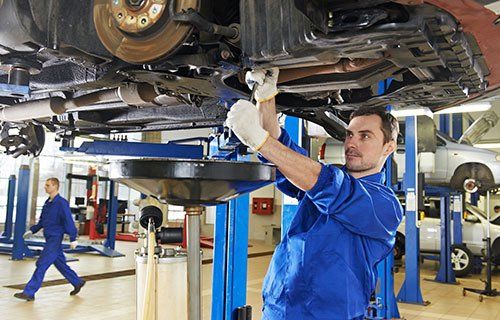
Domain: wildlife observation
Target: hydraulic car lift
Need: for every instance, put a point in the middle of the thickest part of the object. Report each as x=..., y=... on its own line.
x=451, y=209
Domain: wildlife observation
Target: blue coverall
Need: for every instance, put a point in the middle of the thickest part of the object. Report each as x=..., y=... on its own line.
x=325, y=267
x=56, y=220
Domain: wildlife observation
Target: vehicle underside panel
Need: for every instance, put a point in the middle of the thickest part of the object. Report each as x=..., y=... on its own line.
x=80, y=67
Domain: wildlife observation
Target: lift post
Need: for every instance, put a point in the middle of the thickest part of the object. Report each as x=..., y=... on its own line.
x=229, y=273
x=445, y=273
x=20, y=249
x=11, y=194
x=410, y=291
x=457, y=215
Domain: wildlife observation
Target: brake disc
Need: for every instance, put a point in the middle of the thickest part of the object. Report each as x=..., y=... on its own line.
x=141, y=31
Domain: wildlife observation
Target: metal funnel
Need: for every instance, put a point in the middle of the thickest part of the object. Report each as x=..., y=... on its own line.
x=192, y=182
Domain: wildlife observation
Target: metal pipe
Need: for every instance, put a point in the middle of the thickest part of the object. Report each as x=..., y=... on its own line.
x=134, y=94
x=194, y=262
x=343, y=66
x=33, y=110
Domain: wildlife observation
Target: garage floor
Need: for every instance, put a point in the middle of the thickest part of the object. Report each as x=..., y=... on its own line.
x=115, y=298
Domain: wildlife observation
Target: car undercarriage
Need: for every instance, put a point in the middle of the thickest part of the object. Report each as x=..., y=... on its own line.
x=113, y=66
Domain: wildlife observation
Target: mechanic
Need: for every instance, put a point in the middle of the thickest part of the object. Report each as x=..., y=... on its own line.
x=56, y=220
x=346, y=221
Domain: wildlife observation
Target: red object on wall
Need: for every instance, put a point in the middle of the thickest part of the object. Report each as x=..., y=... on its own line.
x=262, y=206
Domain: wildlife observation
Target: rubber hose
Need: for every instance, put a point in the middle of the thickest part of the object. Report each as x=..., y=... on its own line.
x=148, y=307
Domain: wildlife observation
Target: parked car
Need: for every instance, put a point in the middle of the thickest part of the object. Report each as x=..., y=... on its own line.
x=454, y=162
x=474, y=228
x=110, y=66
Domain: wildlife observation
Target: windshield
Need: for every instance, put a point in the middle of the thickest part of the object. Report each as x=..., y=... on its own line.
x=446, y=137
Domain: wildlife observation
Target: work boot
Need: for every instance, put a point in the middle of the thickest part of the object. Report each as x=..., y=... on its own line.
x=23, y=296
x=77, y=288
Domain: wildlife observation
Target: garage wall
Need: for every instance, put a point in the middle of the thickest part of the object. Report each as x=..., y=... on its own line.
x=258, y=223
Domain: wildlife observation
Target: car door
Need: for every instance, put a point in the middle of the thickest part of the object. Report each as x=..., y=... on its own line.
x=473, y=234
x=430, y=228
x=441, y=164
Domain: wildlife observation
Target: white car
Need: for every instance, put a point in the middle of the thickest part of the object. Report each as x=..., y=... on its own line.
x=474, y=228
x=454, y=164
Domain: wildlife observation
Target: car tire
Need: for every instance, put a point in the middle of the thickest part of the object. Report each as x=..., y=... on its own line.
x=462, y=260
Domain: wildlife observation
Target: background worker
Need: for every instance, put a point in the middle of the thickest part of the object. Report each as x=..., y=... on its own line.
x=346, y=220
x=56, y=220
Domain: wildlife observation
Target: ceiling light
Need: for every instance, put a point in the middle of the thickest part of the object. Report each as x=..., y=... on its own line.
x=467, y=108
x=406, y=112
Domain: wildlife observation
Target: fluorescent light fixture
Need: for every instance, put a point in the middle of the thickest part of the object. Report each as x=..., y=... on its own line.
x=495, y=7
x=467, y=108
x=406, y=112
x=487, y=145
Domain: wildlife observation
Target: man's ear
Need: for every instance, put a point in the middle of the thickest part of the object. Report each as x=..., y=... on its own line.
x=389, y=147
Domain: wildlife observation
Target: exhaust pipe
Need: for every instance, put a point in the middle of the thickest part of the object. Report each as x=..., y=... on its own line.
x=133, y=94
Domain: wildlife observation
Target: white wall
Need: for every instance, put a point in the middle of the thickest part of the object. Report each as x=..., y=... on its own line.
x=257, y=223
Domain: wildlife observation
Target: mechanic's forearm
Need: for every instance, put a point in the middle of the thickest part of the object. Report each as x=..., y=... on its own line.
x=269, y=118
x=301, y=171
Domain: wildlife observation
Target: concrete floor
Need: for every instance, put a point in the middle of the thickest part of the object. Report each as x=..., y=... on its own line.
x=115, y=298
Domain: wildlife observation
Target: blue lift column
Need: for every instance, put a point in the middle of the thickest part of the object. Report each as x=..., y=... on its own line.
x=445, y=273
x=229, y=275
x=410, y=291
x=11, y=194
x=108, y=249
x=293, y=126
x=20, y=249
x=457, y=215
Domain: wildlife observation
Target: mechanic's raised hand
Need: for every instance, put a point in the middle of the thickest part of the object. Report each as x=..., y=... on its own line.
x=244, y=120
x=266, y=81
x=73, y=244
x=27, y=234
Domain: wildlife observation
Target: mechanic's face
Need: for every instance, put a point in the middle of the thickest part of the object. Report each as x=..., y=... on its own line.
x=50, y=187
x=364, y=147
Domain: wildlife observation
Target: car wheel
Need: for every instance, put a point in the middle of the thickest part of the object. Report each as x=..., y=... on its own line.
x=461, y=260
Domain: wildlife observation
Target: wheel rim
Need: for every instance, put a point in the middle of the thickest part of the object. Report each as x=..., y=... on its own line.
x=459, y=259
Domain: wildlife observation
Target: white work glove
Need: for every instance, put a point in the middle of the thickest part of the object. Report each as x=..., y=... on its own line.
x=73, y=244
x=266, y=81
x=27, y=234
x=244, y=120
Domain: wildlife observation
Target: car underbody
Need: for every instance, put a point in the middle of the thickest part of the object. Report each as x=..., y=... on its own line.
x=113, y=66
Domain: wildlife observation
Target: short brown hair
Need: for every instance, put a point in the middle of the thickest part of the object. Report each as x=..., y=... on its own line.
x=54, y=181
x=390, y=125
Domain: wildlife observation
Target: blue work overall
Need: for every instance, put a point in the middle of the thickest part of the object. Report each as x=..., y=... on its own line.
x=56, y=220
x=325, y=267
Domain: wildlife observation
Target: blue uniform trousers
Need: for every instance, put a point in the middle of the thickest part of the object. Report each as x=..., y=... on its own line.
x=52, y=254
